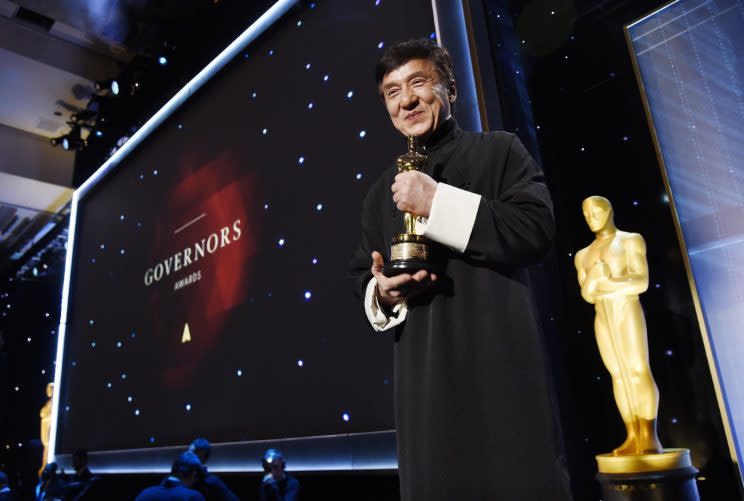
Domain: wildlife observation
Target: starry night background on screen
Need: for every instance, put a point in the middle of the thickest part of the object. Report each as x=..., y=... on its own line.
x=209, y=294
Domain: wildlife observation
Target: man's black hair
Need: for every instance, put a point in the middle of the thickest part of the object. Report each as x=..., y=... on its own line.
x=201, y=447
x=81, y=454
x=420, y=48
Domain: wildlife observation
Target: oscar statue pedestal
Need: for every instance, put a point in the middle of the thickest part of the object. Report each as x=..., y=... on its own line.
x=666, y=476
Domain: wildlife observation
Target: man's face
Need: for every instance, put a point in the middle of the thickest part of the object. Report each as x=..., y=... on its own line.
x=277, y=469
x=596, y=214
x=416, y=98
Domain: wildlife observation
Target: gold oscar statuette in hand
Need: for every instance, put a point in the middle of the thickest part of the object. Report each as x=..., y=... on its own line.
x=612, y=272
x=409, y=252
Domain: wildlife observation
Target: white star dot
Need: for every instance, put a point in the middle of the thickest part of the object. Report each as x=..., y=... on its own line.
x=300, y=363
x=362, y=133
x=301, y=160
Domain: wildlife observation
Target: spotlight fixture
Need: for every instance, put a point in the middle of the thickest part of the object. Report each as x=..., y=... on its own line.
x=72, y=143
x=72, y=140
x=110, y=86
x=162, y=60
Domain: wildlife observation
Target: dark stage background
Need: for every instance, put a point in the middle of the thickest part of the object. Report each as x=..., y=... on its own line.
x=569, y=92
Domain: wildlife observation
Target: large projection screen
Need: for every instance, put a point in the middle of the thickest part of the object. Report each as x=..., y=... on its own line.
x=205, y=289
x=688, y=57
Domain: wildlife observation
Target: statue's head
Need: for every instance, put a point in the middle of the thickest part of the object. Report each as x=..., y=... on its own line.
x=50, y=390
x=597, y=212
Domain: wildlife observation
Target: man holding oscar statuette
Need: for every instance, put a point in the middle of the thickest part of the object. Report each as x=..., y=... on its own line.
x=446, y=237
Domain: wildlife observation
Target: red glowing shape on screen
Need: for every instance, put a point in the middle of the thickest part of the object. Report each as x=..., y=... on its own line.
x=205, y=245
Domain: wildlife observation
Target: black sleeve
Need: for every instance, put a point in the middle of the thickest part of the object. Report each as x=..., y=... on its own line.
x=293, y=490
x=268, y=492
x=371, y=239
x=517, y=226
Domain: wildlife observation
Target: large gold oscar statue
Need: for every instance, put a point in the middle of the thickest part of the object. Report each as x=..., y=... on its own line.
x=612, y=272
x=46, y=424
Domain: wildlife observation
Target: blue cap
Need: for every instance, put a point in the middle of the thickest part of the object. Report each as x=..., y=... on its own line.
x=200, y=444
x=272, y=455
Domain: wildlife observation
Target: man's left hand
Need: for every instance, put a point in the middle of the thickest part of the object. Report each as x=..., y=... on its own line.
x=413, y=192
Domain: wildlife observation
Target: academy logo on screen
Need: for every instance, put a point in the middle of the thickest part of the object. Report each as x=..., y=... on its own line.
x=184, y=258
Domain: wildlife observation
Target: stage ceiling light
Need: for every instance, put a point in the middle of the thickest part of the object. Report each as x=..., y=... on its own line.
x=110, y=86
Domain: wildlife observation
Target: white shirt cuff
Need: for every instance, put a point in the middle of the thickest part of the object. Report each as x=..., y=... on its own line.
x=452, y=217
x=376, y=316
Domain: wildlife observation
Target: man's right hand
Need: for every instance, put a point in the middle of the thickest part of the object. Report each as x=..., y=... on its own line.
x=393, y=290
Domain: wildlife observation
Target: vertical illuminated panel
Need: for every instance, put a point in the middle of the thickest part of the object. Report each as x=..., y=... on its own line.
x=687, y=59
